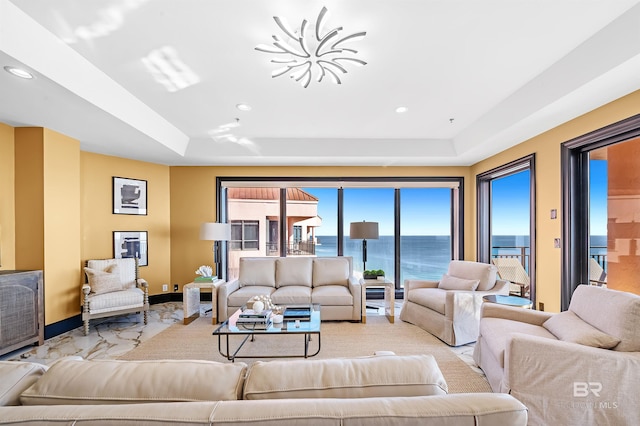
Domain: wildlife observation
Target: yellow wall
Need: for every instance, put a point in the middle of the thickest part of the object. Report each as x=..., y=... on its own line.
x=98, y=221
x=7, y=199
x=47, y=212
x=193, y=201
x=548, y=187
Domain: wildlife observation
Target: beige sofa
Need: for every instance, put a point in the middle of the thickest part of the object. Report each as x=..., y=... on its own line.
x=450, y=308
x=377, y=390
x=579, y=367
x=328, y=281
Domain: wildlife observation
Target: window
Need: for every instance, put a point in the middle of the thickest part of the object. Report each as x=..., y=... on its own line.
x=601, y=204
x=506, y=222
x=245, y=235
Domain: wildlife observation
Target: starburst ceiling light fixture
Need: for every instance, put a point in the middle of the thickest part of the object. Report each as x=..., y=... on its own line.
x=302, y=51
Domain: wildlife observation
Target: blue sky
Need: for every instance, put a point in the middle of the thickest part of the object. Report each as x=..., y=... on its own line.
x=426, y=211
x=598, y=197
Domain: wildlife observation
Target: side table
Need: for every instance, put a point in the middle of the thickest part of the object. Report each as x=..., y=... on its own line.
x=191, y=300
x=389, y=298
x=521, y=302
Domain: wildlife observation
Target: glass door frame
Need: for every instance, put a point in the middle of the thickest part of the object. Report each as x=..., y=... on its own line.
x=575, y=200
x=483, y=202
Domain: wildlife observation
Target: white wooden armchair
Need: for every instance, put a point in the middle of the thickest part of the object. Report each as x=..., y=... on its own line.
x=113, y=288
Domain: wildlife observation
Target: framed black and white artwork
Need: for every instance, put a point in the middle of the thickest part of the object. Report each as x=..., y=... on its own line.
x=131, y=244
x=129, y=196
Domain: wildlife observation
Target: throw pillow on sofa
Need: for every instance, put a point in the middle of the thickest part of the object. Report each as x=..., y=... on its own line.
x=569, y=327
x=449, y=282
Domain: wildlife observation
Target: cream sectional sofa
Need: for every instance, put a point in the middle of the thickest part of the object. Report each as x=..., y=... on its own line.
x=328, y=281
x=579, y=367
x=377, y=390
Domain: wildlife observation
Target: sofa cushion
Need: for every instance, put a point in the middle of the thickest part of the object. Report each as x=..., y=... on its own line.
x=72, y=382
x=104, y=281
x=568, y=327
x=294, y=271
x=384, y=376
x=496, y=332
x=17, y=376
x=123, y=299
x=484, y=272
x=241, y=296
x=257, y=271
x=449, y=282
x=615, y=313
x=292, y=295
x=432, y=298
x=330, y=271
x=332, y=295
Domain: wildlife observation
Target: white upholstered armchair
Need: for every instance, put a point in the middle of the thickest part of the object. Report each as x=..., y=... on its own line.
x=113, y=288
x=450, y=308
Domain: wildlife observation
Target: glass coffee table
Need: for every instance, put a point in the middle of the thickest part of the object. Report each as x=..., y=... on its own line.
x=500, y=299
x=230, y=328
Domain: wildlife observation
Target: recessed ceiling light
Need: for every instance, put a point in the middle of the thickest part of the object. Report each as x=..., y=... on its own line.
x=401, y=109
x=243, y=107
x=18, y=72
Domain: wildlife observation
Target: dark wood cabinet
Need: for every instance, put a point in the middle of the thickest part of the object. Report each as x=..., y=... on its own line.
x=21, y=310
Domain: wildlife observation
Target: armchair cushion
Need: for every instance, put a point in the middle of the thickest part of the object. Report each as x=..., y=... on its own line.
x=432, y=298
x=116, y=300
x=568, y=327
x=104, y=281
x=614, y=312
x=483, y=272
x=449, y=282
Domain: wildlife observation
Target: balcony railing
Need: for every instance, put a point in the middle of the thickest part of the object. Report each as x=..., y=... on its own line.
x=299, y=248
x=522, y=254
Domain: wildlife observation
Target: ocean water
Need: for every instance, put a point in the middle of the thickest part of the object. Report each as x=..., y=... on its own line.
x=424, y=257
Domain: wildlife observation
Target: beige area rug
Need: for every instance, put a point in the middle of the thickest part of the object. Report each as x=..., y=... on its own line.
x=339, y=339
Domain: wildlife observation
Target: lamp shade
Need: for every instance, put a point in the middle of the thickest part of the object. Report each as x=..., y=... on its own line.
x=363, y=230
x=212, y=231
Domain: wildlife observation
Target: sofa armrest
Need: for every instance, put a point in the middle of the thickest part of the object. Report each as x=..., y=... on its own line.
x=572, y=383
x=141, y=282
x=355, y=287
x=413, y=284
x=514, y=313
x=223, y=292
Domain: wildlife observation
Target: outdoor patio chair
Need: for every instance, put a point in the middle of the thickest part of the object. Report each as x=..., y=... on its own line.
x=511, y=269
x=597, y=275
x=113, y=288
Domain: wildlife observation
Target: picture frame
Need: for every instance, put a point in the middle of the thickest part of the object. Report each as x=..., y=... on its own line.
x=131, y=244
x=129, y=196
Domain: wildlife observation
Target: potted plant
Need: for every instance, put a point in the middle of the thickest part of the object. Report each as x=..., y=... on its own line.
x=373, y=274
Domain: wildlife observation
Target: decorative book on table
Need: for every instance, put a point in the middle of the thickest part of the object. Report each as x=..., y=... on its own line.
x=254, y=325
x=292, y=313
x=251, y=316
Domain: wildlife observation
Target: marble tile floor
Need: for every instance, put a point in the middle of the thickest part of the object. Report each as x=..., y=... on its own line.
x=110, y=338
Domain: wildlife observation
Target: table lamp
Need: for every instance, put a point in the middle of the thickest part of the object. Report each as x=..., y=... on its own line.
x=365, y=231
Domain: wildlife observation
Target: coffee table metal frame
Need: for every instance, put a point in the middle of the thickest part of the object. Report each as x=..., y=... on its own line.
x=231, y=328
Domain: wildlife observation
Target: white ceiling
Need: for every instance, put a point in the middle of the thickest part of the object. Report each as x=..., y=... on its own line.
x=503, y=70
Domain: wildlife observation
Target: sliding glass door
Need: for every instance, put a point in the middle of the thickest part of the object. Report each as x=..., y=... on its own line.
x=419, y=221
